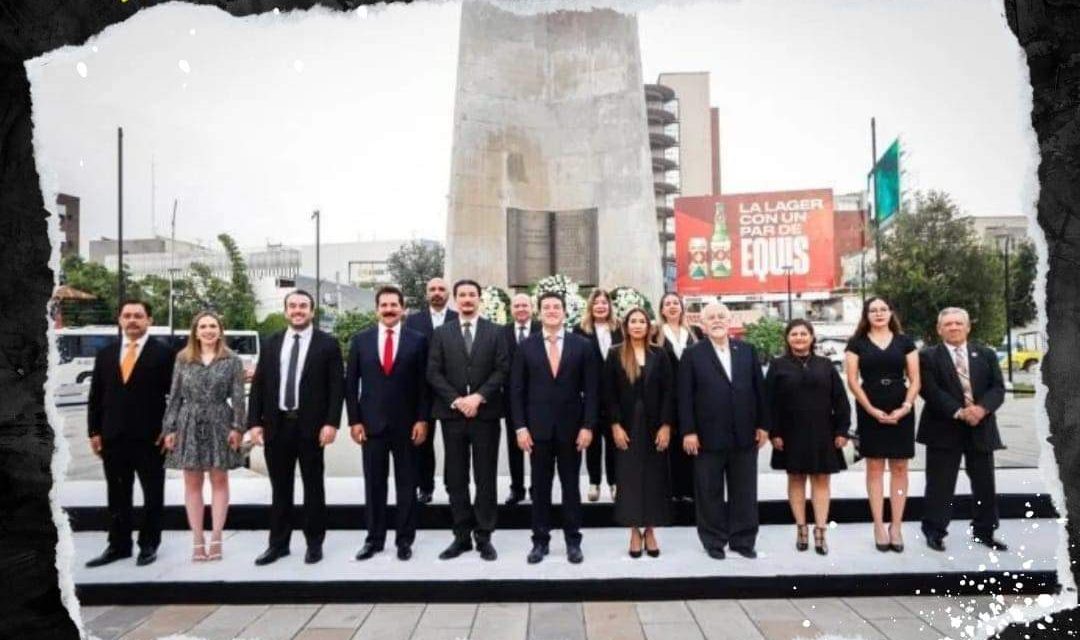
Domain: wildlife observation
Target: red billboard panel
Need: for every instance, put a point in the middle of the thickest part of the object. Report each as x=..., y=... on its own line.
x=745, y=243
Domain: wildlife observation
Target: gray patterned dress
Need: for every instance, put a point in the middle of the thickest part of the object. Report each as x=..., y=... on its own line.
x=200, y=415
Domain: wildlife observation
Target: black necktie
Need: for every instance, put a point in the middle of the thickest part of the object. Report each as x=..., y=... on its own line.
x=468, y=337
x=521, y=333
x=290, y=379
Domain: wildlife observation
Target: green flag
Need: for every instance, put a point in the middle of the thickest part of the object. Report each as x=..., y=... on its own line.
x=887, y=184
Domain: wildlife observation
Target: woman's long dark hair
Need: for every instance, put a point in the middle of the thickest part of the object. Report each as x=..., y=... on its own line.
x=863, y=327
x=799, y=322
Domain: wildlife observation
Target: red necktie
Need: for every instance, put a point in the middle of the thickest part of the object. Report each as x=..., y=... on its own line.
x=388, y=352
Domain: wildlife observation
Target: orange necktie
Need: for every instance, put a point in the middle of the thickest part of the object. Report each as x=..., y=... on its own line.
x=129, y=361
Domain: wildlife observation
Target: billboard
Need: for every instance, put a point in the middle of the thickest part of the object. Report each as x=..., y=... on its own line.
x=745, y=243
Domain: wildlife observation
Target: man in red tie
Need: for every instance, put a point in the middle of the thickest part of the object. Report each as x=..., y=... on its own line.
x=386, y=397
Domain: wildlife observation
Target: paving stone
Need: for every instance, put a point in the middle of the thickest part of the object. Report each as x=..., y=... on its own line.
x=907, y=629
x=441, y=633
x=118, y=620
x=833, y=616
x=660, y=612
x=280, y=623
x=501, y=621
x=324, y=634
x=227, y=622
x=672, y=631
x=390, y=622
x=556, y=621
x=771, y=609
x=170, y=620
x=448, y=616
x=723, y=620
x=89, y=613
x=340, y=616
x=873, y=608
x=612, y=621
x=787, y=629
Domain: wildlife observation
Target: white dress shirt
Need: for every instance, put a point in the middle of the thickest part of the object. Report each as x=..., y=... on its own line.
x=396, y=340
x=724, y=353
x=603, y=336
x=678, y=340
x=286, y=352
x=141, y=342
x=437, y=318
x=518, y=327
x=472, y=324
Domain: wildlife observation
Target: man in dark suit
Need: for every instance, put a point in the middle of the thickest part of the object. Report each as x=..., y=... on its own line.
x=554, y=382
x=721, y=413
x=515, y=333
x=426, y=321
x=294, y=408
x=124, y=410
x=962, y=388
x=467, y=368
x=387, y=400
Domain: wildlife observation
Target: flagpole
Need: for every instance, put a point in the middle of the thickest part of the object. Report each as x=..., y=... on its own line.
x=873, y=185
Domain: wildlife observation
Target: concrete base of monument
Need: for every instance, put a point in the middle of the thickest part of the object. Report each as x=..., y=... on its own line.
x=683, y=570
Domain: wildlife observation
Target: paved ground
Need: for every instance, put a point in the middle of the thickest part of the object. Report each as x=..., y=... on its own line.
x=906, y=618
x=1016, y=420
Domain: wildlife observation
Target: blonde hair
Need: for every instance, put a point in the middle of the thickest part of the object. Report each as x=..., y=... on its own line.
x=588, y=322
x=192, y=352
x=659, y=338
x=626, y=351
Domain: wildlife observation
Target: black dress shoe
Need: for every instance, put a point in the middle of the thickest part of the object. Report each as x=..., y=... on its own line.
x=537, y=554
x=487, y=552
x=456, y=548
x=515, y=498
x=271, y=555
x=423, y=497
x=146, y=556
x=716, y=554
x=745, y=552
x=989, y=541
x=404, y=552
x=313, y=555
x=574, y=554
x=108, y=556
x=935, y=543
x=367, y=551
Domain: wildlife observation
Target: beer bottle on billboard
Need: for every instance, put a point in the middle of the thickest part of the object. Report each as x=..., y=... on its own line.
x=720, y=245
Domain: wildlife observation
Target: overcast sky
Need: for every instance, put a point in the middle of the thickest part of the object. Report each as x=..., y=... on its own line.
x=252, y=123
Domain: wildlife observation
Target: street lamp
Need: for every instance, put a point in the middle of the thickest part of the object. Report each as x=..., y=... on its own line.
x=787, y=270
x=315, y=217
x=1003, y=241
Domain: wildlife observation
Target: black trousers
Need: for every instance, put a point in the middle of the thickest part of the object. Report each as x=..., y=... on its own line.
x=732, y=521
x=472, y=443
x=290, y=445
x=546, y=457
x=515, y=458
x=123, y=460
x=601, y=455
x=942, y=467
x=376, y=454
x=424, y=462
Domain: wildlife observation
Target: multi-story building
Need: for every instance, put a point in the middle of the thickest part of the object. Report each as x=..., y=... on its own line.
x=67, y=209
x=684, y=135
x=361, y=263
x=160, y=256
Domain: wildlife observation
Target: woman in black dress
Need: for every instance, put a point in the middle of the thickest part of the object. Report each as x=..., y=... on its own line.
x=808, y=420
x=640, y=396
x=882, y=367
x=600, y=327
x=673, y=335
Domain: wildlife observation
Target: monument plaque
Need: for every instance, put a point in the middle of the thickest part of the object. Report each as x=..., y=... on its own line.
x=543, y=243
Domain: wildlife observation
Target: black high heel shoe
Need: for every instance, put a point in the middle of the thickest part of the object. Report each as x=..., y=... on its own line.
x=802, y=541
x=635, y=553
x=819, y=541
x=896, y=546
x=654, y=552
x=880, y=546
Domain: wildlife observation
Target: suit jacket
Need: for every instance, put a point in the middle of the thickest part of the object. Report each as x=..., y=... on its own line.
x=723, y=413
x=421, y=321
x=554, y=407
x=594, y=341
x=658, y=387
x=387, y=403
x=943, y=396
x=321, y=386
x=509, y=336
x=453, y=373
x=132, y=411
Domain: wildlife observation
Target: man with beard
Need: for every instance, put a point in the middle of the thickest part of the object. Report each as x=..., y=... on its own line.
x=124, y=412
x=426, y=321
x=387, y=401
x=295, y=409
x=466, y=369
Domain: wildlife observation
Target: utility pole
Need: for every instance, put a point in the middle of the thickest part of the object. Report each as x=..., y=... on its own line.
x=172, y=265
x=318, y=301
x=120, y=223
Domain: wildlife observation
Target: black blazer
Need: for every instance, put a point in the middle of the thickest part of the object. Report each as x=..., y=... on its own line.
x=658, y=387
x=322, y=384
x=616, y=338
x=554, y=407
x=421, y=321
x=383, y=402
x=943, y=396
x=724, y=414
x=132, y=411
x=508, y=333
x=452, y=373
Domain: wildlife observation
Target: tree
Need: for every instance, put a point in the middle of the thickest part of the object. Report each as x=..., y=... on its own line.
x=930, y=260
x=95, y=279
x=1023, y=265
x=412, y=266
x=272, y=323
x=349, y=323
x=238, y=305
x=767, y=337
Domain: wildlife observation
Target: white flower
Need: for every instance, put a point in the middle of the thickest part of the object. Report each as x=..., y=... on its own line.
x=493, y=305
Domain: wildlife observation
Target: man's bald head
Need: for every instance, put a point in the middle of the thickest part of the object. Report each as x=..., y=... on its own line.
x=437, y=293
